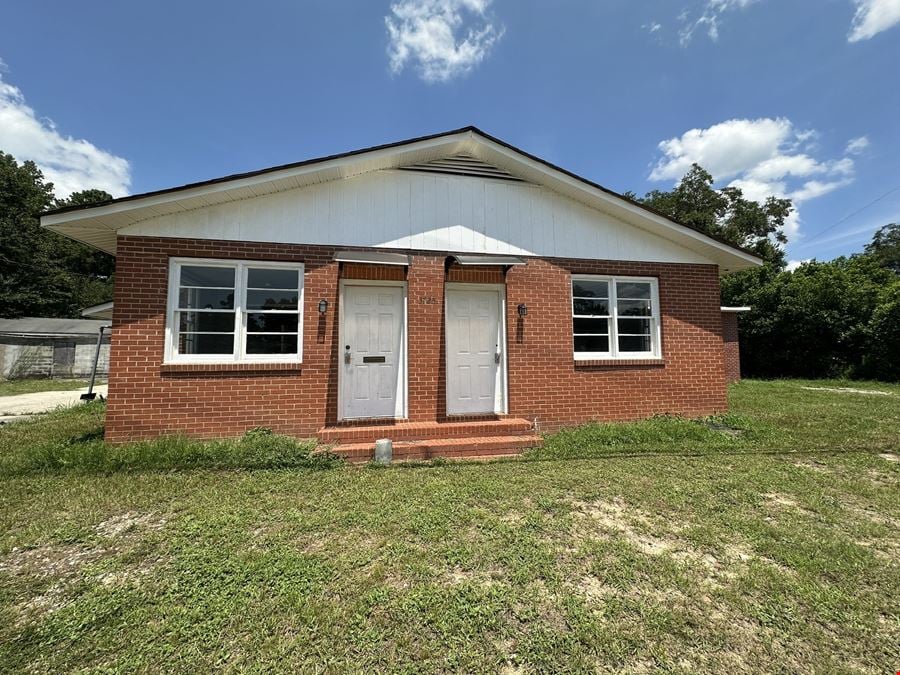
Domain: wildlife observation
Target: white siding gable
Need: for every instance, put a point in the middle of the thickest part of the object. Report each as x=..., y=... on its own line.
x=413, y=210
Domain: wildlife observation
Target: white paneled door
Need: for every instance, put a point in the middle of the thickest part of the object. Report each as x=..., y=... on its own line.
x=372, y=360
x=475, y=350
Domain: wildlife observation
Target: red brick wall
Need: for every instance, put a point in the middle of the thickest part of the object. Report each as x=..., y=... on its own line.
x=732, y=346
x=148, y=398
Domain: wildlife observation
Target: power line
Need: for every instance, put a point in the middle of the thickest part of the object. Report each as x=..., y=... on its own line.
x=849, y=216
x=3, y=258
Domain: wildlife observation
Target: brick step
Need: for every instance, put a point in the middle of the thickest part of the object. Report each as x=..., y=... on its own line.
x=414, y=431
x=473, y=446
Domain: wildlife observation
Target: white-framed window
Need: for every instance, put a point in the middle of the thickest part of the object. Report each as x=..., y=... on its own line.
x=615, y=317
x=223, y=311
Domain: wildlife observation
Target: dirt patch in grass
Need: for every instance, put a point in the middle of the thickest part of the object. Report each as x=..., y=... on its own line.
x=121, y=524
x=849, y=390
x=889, y=457
x=57, y=561
x=631, y=523
x=485, y=578
x=66, y=564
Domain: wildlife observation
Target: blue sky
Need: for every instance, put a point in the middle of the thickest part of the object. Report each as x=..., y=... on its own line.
x=791, y=97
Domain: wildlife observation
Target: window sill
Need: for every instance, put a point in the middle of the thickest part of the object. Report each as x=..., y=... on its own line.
x=202, y=368
x=617, y=363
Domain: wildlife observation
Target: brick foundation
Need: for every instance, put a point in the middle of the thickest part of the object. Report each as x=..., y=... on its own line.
x=546, y=385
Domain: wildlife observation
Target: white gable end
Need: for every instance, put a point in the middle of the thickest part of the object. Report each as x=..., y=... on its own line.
x=427, y=211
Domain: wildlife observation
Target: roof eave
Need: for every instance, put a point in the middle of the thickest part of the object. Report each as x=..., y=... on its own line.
x=73, y=221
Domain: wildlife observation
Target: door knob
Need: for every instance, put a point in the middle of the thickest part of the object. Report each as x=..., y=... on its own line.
x=497, y=357
x=347, y=354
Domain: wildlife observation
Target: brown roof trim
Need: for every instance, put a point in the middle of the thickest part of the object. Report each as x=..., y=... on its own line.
x=397, y=144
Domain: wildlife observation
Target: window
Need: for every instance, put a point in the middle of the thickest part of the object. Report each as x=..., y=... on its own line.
x=223, y=310
x=615, y=318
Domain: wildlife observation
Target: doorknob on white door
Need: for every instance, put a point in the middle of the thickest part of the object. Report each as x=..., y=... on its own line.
x=346, y=353
x=497, y=357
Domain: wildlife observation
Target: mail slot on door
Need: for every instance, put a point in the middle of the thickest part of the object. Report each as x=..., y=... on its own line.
x=373, y=359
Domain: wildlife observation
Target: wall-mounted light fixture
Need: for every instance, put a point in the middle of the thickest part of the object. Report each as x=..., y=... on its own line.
x=522, y=309
x=323, y=306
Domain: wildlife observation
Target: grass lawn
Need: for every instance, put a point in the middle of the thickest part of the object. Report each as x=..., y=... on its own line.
x=14, y=387
x=768, y=539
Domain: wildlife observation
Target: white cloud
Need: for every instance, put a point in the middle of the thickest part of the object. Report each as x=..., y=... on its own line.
x=440, y=38
x=873, y=17
x=763, y=157
x=857, y=146
x=71, y=164
x=794, y=264
x=652, y=27
x=709, y=19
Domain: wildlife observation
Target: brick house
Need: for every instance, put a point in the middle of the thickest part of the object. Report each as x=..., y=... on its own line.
x=450, y=292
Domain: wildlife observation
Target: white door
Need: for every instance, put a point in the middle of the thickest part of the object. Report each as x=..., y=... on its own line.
x=372, y=362
x=475, y=352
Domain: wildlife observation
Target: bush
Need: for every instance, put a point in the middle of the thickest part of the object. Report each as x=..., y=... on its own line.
x=830, y=319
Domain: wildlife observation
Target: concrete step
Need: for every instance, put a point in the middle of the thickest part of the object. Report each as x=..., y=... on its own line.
x=472, y=446
x=412, y=431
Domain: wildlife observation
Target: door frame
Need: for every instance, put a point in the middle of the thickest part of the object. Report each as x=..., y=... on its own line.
x=401, y=404
x=500, y=289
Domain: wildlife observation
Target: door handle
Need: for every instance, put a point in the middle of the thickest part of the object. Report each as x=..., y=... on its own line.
x=347, y=354
x=496, y=357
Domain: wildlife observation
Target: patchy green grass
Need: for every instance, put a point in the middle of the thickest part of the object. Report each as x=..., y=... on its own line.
x=765, y=416
x=14, y=387
x=669, y=546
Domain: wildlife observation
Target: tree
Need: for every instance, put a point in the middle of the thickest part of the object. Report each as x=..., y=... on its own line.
x=41, y=272
x=725, y=214
x=885, y=247
x=882, y=356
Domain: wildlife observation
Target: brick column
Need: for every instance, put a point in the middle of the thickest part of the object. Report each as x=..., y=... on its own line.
x=425, y=339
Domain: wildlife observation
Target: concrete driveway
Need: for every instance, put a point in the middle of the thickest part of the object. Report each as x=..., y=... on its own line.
x=23, y=405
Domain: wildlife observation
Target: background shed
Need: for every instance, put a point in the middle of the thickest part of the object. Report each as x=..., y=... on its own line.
x=64, y=348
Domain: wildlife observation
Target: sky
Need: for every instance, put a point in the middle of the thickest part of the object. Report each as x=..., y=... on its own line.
x=792, y=98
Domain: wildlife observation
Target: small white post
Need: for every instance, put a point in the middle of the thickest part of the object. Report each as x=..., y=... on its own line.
x=384, y=451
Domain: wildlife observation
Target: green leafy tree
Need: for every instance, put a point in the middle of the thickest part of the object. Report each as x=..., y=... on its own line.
x=882, y=355
x=41, y=272
x=811, y=322
x=885, y=247
x=725, y=214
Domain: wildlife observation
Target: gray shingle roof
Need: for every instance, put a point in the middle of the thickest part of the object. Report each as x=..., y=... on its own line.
x=41, y=326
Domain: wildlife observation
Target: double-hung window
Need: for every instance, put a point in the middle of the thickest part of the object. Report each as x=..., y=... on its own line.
x=222, y=311
x=615, y=317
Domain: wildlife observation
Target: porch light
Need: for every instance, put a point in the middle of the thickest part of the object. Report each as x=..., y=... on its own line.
x=522, y=309
x=323, y=306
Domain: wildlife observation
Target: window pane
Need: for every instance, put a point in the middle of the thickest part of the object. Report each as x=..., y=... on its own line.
x=590, y=326
x=590, y=289
x=194, y=275
x=591, y=343
x=272, y=323
x=634, y=307
x=272, y=299
x=633, y=289
x=266, y=278
x=634, y=343
x=590, y=307
x=205, y=343
x=206, y=322
x=634, y=326
x=205, y=298
x=272, y=344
